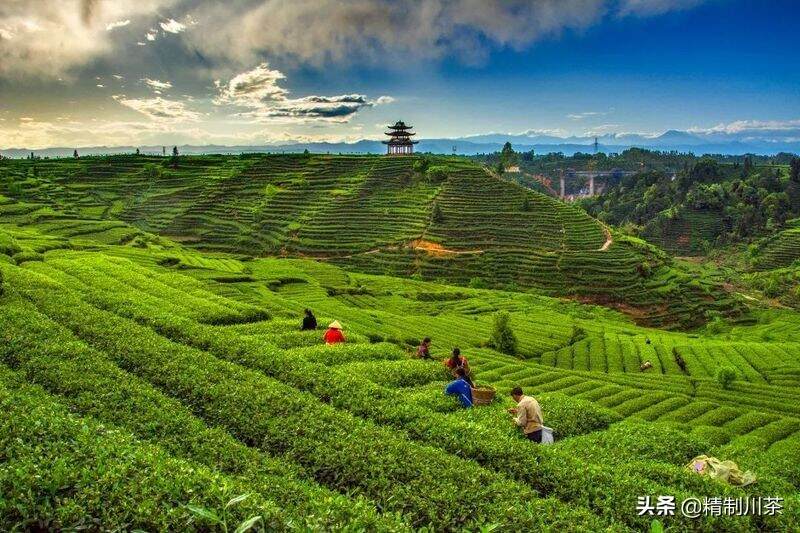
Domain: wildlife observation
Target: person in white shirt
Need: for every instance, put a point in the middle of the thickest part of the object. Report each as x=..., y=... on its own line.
x=527, y=415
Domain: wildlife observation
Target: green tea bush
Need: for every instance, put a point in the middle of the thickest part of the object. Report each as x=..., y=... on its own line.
x=90, y=384
x=570, y=417
x=257, y=409
x=715, y=436
x=477, y=283
x=725, y=376
x=8, y=245
x=28, y=255
x=631, y=440
x=64, y=472
x=340, y=354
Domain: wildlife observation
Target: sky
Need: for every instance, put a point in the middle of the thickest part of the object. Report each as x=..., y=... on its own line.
x=151, y=72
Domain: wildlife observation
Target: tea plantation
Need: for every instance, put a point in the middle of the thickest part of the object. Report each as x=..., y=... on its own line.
x=153, y=374
x=433, y=218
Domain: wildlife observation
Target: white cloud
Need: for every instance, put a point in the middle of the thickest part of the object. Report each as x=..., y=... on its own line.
x=156, y=84
x=160, y=109
x=140, y=43
x=586, y=114
x=258, y=89
x=750, y=126
x=118, y=24
x=381, y=100
x=117, y=77
x=555, y=132
x=251, y=88
x=151, y=35
x=100, y=85
x=172, y=26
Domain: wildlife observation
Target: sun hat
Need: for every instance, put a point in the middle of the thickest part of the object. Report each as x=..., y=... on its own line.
x=335, y=325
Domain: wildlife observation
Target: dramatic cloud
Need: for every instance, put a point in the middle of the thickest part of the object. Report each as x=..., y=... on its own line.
x=51, y=37
x=323, y=108
x=258, y=89
x=48, y=38
x=319, y=31
x=157, y=85
x=160, y=109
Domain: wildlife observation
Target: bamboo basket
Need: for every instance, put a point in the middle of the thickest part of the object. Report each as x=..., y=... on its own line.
x=483, y=395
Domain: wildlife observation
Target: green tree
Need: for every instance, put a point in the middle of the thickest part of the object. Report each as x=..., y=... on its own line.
x=437, y=216
x=436, y=174
x=725, y=376
x=508, y=156
x=526, y=204
x=503, y=338
x=794, y=170
x=747, y=169
x=75, y=154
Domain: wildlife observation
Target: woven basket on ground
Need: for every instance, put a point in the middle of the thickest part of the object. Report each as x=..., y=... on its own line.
x=483, y=395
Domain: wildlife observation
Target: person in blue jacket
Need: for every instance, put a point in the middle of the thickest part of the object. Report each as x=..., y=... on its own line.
x=460, y=388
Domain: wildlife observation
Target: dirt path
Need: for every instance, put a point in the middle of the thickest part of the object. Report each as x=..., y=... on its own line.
x=609, y=240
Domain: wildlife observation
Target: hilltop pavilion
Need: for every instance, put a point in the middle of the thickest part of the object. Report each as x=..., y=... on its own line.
x=400, y=142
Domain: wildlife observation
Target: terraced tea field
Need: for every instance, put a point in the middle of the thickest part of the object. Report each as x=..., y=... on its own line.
x=153, y=375
x=198, y=368
x=365, y=213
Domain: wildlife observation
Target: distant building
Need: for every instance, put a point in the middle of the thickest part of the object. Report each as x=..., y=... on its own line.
x=400, y=142
x=512, y=168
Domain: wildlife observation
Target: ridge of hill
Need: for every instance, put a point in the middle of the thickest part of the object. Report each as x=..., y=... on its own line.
x=430, y=218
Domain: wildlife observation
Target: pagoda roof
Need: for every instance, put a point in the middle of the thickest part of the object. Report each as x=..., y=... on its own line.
x=394, y=141
x=399, y=133
x=400, y=125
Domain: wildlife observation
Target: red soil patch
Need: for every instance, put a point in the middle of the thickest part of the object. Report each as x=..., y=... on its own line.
x=437, y=250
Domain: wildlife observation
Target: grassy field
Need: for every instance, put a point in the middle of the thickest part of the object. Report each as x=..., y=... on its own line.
x=152, y=368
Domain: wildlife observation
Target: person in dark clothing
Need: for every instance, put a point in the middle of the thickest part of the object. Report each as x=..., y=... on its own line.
x=460, y=388
x=424, y=350
x=309, y=321
x=456, y=361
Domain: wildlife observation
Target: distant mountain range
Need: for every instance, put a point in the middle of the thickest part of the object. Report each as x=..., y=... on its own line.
x=672, y=140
